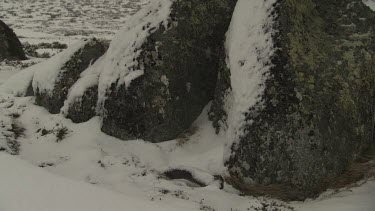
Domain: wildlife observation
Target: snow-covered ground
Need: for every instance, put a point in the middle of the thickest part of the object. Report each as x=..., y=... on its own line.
x=67, y=166
x=75, y=167
x=24, y=187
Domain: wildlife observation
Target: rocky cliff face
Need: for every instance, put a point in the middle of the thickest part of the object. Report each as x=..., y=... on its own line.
x=10, y=46
x=315, y=113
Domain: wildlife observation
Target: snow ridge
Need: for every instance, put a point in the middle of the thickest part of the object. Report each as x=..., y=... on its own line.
x=249, y=48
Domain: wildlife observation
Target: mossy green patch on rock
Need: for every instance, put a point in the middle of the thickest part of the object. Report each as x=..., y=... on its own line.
x=318, y=110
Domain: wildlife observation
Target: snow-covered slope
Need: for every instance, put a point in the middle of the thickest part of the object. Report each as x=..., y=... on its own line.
x=99, y=172
x=25, y=187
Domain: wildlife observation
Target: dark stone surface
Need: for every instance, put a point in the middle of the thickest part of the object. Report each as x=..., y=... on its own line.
x=187, y=56
x=217, y=113
x=10, y=46
x=319, y=101
x=69, y=74
x=84, y=109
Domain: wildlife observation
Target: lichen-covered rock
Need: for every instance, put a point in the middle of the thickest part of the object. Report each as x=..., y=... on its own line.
x=52, y=83
x=10, y=46
x=172, y=74
x=84, y=108
x=313, y=109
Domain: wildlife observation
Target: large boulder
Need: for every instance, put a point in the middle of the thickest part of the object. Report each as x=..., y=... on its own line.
x=53, y=80
x=10, y=46
x=82, y=108
x=297, y=100
x=160, y=70
x=180, y=69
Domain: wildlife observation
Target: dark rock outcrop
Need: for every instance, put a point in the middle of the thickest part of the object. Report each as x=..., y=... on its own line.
x=10, y=46
x=180, y=70
x=84, y=109
x=318, y=103
x=68, y=76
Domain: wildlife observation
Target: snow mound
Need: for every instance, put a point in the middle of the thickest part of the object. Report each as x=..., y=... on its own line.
x=19, y=83
x=249, y=46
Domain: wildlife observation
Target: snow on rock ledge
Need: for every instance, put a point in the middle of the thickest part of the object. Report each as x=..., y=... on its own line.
x=119, y=65
x=159, y=71
x=53, y=79
x=180, y=67
x=250, y=47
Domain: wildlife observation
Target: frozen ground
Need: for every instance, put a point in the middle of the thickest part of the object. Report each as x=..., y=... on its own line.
x=75, y=167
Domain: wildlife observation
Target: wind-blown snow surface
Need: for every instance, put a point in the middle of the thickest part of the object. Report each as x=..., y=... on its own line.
x=120, y=65
x=249, y=48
